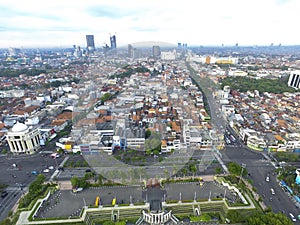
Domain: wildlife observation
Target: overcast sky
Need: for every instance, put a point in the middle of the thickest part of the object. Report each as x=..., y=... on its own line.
x=63, y=23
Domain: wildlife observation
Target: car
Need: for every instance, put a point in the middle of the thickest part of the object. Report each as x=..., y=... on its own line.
x=272, y=191
x=267, y=178
x=292, y=217
x=34, y=172
x=46, y=170
x=55, y=155
x=51, y=167
x=76, y=190
x=4, y=194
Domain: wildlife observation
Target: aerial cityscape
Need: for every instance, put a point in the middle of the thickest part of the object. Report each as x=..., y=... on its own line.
x=160, y=114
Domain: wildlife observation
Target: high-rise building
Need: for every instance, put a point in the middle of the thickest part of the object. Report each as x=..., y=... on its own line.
x=130, y=50
x=113, y=42
x=90, y=43
x=294, y=79
x=156, y=51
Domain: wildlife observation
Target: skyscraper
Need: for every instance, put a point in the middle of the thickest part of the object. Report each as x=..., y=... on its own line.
x=113, y=42
x=90, y=44
x=130, y=50
x=156, y=51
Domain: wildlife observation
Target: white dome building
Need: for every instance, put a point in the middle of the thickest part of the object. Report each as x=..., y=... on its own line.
x=23, y=139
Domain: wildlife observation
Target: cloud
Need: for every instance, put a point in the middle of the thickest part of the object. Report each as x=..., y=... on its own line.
x=193, y=22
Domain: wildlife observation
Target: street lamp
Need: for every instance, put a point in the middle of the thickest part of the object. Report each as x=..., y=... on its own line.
x=242, y=170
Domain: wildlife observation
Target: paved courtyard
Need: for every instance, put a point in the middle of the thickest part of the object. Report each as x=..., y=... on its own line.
x=66, y=204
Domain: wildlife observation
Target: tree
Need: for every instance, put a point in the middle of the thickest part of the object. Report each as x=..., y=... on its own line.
x=236, y=169
x=193, y=168
x=218, y=170
x=108, y=223
x=269, y=218
x=234, y=216
x=184, y=171
x=147, y=133
x=75, y=181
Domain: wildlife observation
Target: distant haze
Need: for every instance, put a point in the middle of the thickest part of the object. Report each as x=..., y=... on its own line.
x=146, y=44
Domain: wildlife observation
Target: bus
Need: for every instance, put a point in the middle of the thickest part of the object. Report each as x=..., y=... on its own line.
x=113, y=202
x=97, y=201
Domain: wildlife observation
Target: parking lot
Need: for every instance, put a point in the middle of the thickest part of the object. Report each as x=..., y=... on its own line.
x=65, y=203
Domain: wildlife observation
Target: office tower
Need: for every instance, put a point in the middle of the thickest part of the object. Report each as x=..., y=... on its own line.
x=294, y=79
x=78, y=52
x=130, y=50
x=156, y=51
x=90, y=44
x=179, y=45
x=113, y=42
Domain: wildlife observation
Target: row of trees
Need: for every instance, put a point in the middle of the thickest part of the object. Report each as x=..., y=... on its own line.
x=16, y=73
x=36, y=189
x=259, y=218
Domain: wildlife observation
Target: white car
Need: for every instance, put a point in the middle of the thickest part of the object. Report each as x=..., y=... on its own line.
x=51, y=167
x=267, y=178
x=292, y=217
x=46, y=170
x=272, y=191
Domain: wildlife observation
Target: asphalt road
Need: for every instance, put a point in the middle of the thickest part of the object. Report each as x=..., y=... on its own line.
x=20, y=175
x=259, y=168
x=256, y=164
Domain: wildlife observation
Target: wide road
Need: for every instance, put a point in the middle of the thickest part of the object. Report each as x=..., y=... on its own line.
x=15, y=172
x=258, y=166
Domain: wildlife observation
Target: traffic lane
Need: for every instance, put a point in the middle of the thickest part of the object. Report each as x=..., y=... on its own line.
x=15, y=176
x=259, y=169
x=7, y=203
x=237, y=153
x=21, y=173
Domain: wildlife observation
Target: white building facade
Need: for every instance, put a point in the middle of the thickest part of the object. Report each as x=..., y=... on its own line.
x=23, y=139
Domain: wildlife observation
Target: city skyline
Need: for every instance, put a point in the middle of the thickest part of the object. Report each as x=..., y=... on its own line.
x=213, y=23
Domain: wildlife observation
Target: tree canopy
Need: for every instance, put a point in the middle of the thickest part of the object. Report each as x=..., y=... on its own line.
x=269, y=218
x=16, y=73
x=244, y=84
